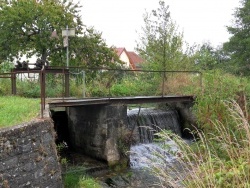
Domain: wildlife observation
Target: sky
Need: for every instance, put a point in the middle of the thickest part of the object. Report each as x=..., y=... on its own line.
x=120, y=21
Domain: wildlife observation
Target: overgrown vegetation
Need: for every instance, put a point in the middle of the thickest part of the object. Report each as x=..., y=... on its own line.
x=219, y=87
x=220, y=155
x=219, y=159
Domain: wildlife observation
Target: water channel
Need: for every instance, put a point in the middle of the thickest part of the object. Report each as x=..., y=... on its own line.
x=144, y=152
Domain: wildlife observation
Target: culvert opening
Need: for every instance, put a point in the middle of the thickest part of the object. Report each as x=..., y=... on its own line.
x=71, y=158
x=60, y=119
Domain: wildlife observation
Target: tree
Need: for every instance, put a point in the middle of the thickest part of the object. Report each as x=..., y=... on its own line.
x=91, y=51
x=238, y=46
x=207, y=57
x=161, y=45
x=27, y=25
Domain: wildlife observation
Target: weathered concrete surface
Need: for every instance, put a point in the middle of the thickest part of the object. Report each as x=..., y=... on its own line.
x=187, y=116
x=28, y=156
x=95, y=130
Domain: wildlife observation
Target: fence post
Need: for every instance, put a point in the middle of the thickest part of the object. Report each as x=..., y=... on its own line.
x=42, y=89
x=13, y=82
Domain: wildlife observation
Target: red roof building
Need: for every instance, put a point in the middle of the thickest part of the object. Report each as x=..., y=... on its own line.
x=131, y=59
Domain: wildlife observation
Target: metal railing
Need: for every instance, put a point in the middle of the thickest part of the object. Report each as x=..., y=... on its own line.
x=80, y=82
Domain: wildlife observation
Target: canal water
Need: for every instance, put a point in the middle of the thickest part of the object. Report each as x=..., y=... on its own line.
x=145, y=154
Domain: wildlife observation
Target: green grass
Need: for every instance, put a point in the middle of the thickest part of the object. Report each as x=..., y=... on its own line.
x=15, y=110
x=76, y=177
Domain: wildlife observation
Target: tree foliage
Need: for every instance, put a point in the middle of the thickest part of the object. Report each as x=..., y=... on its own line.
x=26, y=29
x=207, y=57
x=91, y=51
x=26, y=26
x=238, y=47
x=161, y=45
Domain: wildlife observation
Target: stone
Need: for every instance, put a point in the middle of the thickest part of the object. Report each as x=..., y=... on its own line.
x=22, y=161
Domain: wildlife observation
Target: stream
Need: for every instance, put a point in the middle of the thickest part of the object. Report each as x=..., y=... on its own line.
x=145, y=154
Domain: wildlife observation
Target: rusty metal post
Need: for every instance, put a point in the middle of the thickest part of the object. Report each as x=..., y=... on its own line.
x=42, y=90
x=66, y=81
x=41, y=93
x=44, y=86
x=13, y=82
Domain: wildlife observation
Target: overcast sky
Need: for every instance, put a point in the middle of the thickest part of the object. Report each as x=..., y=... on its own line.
x=121, y=20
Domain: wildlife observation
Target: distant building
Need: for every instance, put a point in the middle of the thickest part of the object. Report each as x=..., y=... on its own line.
x=131, y=59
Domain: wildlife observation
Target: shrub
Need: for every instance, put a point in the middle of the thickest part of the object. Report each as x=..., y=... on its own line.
x=217, y=87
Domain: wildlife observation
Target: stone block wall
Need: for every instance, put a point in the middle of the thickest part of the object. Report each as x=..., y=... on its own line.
x=28, y=156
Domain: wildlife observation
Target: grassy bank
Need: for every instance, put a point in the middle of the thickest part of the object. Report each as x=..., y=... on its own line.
x=15, y=110
x=218, y=159
x=220, y=156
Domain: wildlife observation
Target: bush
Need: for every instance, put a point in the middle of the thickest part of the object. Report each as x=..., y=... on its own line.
x=218, y=87
x=135, y=85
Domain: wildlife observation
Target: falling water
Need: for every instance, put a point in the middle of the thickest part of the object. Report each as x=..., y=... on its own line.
x=145, y=123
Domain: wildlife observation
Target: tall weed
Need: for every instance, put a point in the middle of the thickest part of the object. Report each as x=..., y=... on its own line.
x=217, y=160
x=220, y=157
x=217, y=87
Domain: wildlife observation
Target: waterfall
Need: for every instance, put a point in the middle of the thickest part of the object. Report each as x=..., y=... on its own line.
x=146, y=122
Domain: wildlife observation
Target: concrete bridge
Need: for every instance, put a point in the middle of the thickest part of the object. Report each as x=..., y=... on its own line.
x=98, y=126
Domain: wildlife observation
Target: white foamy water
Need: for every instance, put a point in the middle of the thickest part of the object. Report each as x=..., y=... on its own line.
x=146, y=155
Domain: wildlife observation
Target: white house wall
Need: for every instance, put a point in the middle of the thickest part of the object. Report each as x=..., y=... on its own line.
x=125, y=59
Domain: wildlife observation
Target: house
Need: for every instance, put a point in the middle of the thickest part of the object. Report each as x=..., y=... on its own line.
x=131, y=59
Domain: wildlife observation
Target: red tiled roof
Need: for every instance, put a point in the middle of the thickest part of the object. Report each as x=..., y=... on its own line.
x=134, y=59
x=119, y=51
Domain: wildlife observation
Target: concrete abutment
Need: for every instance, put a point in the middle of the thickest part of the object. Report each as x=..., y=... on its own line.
x=95, y=129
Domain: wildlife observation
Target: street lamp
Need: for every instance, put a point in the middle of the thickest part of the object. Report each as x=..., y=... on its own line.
x=66, y=33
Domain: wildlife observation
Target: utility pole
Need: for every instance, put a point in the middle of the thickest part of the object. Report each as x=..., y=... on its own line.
x=66, y=33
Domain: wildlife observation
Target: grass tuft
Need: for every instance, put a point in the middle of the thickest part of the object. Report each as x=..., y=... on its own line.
x=76, y=177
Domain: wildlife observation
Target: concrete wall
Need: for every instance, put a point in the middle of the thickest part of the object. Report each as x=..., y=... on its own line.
x=28, y=156
x=187, y=117
x=94, y=130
